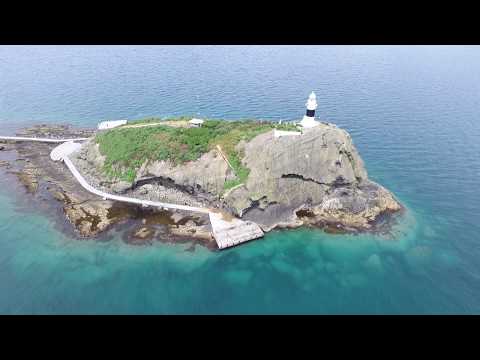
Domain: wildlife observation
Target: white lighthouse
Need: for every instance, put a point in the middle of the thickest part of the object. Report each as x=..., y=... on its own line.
x=308, y=120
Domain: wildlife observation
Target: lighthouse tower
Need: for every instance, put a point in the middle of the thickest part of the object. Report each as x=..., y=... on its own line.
x=308, y=120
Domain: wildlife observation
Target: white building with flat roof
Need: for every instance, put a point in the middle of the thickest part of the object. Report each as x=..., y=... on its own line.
x=111, y=124
x=196, y=122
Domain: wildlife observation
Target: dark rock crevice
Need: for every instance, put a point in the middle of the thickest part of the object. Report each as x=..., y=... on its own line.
x=166, y=182
x=339, y=180
x=259, y=204
x=351, y=159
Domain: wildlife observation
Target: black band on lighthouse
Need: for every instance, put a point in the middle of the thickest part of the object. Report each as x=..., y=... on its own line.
x=310, y=113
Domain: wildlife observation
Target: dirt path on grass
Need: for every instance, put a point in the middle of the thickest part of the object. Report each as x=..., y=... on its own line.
x=176, y=123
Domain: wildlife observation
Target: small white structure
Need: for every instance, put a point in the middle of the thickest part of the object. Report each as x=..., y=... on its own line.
x=232, y=231
x=196, y=122
x=105, y=125
x=308, y=120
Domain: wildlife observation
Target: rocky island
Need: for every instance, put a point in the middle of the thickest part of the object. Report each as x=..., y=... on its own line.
x=276, y=175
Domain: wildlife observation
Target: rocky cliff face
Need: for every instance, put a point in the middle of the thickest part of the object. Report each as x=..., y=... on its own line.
x=207, y=174
x=319, y=173
x=317, y=178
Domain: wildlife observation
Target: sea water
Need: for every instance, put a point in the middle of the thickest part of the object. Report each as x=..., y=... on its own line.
x=413, y=113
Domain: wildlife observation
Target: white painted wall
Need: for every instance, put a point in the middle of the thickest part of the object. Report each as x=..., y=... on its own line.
x=111, y=124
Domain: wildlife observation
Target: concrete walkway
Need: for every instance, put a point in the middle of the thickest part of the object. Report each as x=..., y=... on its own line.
x=142, y=202
x=61, y=153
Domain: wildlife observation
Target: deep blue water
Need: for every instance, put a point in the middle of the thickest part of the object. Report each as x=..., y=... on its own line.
x=413, y=113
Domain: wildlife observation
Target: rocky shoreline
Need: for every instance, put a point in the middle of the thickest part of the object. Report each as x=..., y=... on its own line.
x=279, y=194
x=90, y=216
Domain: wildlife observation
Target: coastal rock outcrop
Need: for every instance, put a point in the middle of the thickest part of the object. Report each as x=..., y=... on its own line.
x=28, y=177
x=317, y=179
x=320, y=171
x=208, y=173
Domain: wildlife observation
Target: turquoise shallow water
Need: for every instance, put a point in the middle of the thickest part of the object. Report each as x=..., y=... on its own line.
x=412, y=111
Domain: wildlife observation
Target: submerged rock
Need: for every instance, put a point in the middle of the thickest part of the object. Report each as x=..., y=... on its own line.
x=141, y=236
x=89, y=217
x=144, y=233
x=28, y=178
x=374, y=263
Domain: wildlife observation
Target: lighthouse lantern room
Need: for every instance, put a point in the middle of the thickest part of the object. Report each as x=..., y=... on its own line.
x=308, y=120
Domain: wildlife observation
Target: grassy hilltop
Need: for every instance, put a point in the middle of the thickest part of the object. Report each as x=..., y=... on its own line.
x=127, y=148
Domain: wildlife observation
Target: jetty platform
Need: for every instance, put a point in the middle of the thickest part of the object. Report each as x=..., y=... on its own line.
x=230, y=231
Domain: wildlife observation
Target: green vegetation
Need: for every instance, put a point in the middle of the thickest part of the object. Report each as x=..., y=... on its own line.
x=229, y=184
x=126, y=149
